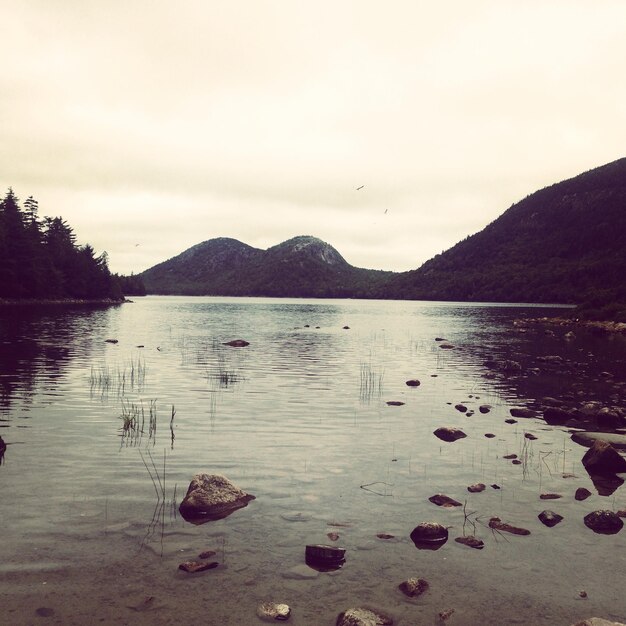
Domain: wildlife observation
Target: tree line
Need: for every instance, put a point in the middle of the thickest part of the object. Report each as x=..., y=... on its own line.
x=40, y=259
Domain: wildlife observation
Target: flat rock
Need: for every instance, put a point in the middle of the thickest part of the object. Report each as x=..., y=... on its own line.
x=602, y=459
x=211, y=497
x=497, y=524
x=523, y=412
x=489, y=435
x=510, y=420
x=413, y=382
x=549, y=518
x=604, y=522
x=587, y=439
x=471, y=542
x=449, y=434
x=476, y=488
x=550, y=496
x=237, y=343
x=197, y=566
x=445, y=501
x=394, y=403
x=530, y=436
x=510, y=456
x=413, y=587
x=363, y=617
x=446, y=346
x=385, y=536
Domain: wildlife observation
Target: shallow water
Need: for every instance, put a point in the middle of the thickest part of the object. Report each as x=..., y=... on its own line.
x=299, y=419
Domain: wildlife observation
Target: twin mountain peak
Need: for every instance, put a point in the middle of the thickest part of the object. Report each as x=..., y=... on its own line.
x=563, y=243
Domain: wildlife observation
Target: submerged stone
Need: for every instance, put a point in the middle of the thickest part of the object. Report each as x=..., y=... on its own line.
x=270, y=611
x=497, y=524
x=550, y=496
x=193, y=567
x=363, y=617
x=237, y=343
x=394, y=403
x=413, y=587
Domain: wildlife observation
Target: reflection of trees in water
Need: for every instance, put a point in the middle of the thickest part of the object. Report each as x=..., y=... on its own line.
x=38, y=342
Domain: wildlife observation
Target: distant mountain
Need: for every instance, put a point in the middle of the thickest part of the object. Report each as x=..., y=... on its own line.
x=300, y=267
x=564, y=244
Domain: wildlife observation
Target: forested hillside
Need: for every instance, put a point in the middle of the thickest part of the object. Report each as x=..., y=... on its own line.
x=302, y=267
x=561, y=244
x=40, y=259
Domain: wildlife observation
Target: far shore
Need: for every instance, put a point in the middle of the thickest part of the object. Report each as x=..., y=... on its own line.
x=566, y=322
x=60, y=301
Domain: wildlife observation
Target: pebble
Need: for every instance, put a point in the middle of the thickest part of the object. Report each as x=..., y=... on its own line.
x=196, y=566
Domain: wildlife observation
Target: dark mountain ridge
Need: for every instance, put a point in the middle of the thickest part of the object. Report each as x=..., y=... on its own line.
x=560, y=244
x=303, y=266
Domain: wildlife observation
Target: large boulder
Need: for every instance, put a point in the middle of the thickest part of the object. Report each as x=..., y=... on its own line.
x=449, y=434
x=211, y=497
x=604, y=522
x=602, y=458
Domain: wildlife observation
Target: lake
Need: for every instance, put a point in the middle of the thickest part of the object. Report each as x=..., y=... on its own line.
x=103, y=439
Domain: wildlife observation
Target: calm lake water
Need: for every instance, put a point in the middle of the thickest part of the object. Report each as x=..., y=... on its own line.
x=299, y=418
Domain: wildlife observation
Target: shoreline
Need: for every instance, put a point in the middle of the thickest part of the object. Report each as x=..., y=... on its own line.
x=595, y=326
x=60, y=301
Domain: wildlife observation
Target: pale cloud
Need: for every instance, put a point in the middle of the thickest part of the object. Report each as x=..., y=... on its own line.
x=167, y=124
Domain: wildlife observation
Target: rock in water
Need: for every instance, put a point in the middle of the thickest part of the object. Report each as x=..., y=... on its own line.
x=429, y=536
x=477, y=488
x=445, y=501
x=523, y=412
x=237, y=343
x=270, y=611
x=484, y=408
x=471, y=542
x=602, y=458
x=604, y=522
x=413, y=587
x=550, y=518
x=197, y=566
x=413, y=382
x=449, y=434
x=497, y=524
x=582, y=493
x=212, y=497
x=362, y=617
x=550, y=496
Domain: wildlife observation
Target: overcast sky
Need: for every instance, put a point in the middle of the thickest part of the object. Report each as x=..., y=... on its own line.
x=151, y=126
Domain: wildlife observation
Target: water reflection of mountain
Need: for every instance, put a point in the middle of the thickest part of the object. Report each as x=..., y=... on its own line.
x=530, y=362
x=37, y=343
